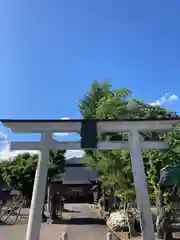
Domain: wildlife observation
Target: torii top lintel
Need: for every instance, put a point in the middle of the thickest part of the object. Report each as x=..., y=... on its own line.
x=74, y=125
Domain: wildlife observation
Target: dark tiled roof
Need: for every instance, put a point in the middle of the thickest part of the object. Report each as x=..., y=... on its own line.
x=77, y=173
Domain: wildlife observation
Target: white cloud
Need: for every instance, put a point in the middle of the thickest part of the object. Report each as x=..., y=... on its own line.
x=165, y=99
x=60, y=134
x=5, y=155
x=5, y=152
x=173, y=97
x=4, y=143
x=3, y=138
x=74, y=153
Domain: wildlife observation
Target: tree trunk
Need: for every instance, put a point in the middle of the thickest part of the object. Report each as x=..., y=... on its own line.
x=104, y=199
x=111, y=200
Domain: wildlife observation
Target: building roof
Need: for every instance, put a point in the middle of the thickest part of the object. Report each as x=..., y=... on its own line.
x=77, y=173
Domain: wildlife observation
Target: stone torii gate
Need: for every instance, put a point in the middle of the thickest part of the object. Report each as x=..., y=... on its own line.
x=89, y=130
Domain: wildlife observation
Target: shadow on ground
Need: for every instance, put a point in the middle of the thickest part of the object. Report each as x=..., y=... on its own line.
x=3, y=223
x=70, y=211
x=81, y=221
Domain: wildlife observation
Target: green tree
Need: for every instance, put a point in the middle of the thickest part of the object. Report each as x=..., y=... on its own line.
x=102, y=102
x=114, y=167
x=19, y=172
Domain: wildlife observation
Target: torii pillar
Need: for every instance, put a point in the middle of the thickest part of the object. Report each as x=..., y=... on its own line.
x=89, y=130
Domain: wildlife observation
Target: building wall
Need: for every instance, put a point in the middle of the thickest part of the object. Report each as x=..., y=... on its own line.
x=72, y=192
x=77, y=181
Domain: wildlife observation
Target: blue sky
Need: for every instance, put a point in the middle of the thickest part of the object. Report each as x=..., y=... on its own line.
x=50, y=51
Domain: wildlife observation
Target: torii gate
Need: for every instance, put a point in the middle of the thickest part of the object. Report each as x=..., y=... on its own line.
x=89, y=130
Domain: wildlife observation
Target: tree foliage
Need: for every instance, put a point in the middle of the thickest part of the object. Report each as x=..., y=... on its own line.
x=19, y=172
x=114, y=167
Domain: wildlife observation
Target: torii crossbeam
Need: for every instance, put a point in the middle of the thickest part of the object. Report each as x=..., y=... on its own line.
x=89, y=130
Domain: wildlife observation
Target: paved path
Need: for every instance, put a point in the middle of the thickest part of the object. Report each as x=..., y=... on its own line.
x=84, y=224
x=81, y=224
